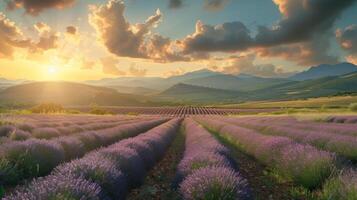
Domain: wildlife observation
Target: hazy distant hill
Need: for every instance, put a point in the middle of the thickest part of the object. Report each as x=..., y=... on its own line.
x=133, y=90
x=325, y=70
x=184, y=92
x=5, y=83
x=204, y=78
x=310, y=88
x=236, y=83
x=66, y=93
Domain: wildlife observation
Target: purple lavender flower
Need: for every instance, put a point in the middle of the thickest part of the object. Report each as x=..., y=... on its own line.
x=214, y=183
x=59, y=187
x=99, y=170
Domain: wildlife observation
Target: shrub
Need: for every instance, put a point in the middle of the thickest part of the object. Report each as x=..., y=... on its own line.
x=19, y=135
x=343, y=187
x=30, y=158
x=6, y=130
x=48, y=108
x=59, y=188
x=100, y=111
x=45, y=133
x=98, y=170
x=353, y=107
x=214, y=183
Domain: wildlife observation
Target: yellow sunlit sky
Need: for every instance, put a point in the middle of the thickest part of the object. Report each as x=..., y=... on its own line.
x=80, y=40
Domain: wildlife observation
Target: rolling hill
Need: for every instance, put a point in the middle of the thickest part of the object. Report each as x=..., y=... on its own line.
x=235, y=83
x=204, y=78
x=326, y=86
x=66, y=93
x=184, y=92
x=325, y=70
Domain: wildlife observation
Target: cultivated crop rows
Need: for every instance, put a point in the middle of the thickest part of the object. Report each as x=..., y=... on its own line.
x=110, y=157
x=180, y=111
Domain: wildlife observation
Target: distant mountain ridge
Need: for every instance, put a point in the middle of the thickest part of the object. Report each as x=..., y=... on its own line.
x=66, y=93
x=325, y=70
x=185, y=92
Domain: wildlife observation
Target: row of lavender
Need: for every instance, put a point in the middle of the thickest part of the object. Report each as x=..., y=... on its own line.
x=341, y=119
x=21, y=160
x=30, y=129
x=306, y=165
x=337, y=138
x=106, y=173
x=206, y=172
x=179, y=111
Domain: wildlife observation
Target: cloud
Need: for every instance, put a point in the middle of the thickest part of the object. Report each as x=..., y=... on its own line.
x=130, y=40
x=347, y=39
x=175, y=4
x=176, y=72
x=109, y=66
x=119, y=36
x=245, y=65
x=72, y=30
x=215, y=5
x=10, y=36
x=136, y=71
x=313, y=52
x=303, y=32
x=88, y=64
x=48, y=38
x=301, y=21
x=34, y=7
x=228, y=37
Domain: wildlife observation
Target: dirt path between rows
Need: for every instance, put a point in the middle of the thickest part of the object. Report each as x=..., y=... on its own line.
x=158, y=182
x=263, y=184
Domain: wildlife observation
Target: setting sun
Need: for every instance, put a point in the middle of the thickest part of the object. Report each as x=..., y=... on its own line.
x=52, y=70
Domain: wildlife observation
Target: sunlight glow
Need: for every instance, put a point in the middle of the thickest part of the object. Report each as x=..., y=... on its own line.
x=52, y=70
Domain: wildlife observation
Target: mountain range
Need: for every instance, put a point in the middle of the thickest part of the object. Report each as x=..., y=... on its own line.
x=202, y=86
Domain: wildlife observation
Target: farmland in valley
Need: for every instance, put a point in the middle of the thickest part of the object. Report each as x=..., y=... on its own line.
x=208, y=155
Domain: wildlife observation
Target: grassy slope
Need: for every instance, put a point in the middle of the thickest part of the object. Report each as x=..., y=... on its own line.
x=338, y=101
x=66, y=93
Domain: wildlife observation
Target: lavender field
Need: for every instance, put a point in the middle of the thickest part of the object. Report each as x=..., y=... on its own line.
x=204, y=157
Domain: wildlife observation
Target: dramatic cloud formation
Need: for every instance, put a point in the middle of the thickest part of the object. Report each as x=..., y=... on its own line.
x=174, y=4
x=245, y=65
x=302, y=20
x=301, y=35
x=10, y=35
x=215, y=5
x=126, y=40
x=48, y=38
x=210, y=5
x=227, y=37
x=347, y=39
x=109, y=66
x=308, y=53
x=34, y=7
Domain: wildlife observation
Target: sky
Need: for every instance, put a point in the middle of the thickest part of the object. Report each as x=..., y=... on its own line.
x=78, y=40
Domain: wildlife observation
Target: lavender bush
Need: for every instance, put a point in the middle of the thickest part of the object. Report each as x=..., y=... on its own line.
x=59, y=187
x=205, y=172
x=214, y=183
x=304, y=164
x=45, y=133
x=99, y=170
x=343, y=187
